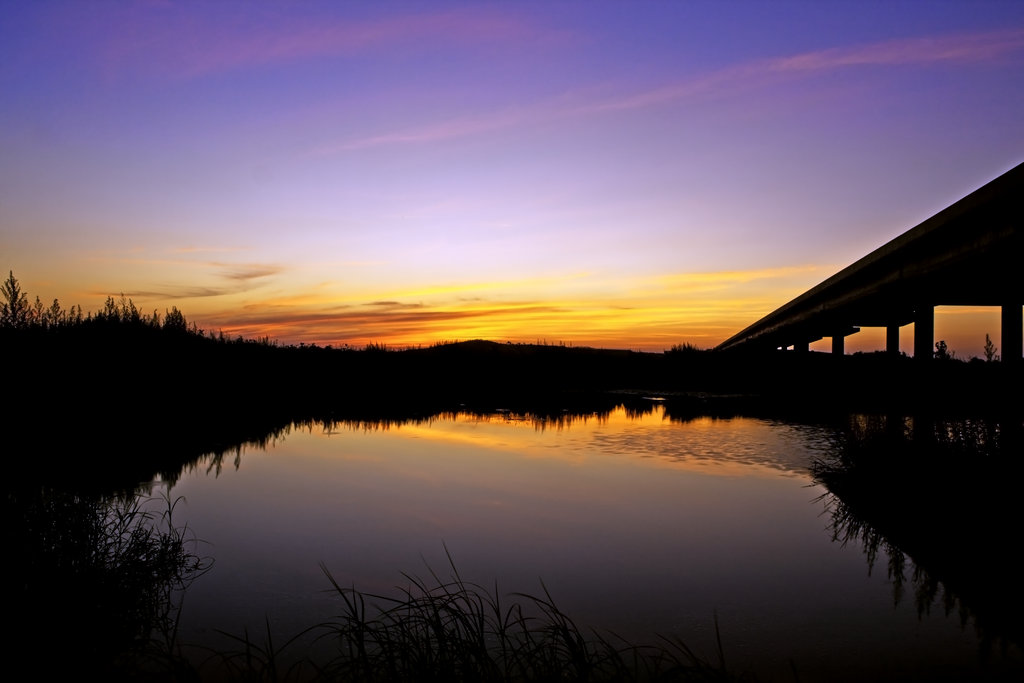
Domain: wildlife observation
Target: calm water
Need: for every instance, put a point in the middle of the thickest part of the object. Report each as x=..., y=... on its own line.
x=636, y=524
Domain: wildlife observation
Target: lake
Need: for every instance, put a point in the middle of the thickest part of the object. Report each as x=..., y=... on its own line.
x=637, y=523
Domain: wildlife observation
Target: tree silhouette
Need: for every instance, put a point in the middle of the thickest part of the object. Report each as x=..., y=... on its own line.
x=990, y=349
x=174, y=320
x=15, y=311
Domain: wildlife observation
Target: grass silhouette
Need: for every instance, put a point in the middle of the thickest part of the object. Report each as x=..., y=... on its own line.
x=449, y=629
x=96, y=583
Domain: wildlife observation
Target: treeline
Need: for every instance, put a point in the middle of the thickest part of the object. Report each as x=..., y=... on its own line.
x=18, y=314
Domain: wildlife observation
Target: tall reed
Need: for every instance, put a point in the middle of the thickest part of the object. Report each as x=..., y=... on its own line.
x=454, y=630
x=97, y=581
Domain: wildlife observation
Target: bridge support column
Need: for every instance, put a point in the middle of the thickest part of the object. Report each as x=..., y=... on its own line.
x=802, y=347
x=892, y=339
x=839, y=340
x=924, y=332
x=1013, y=331
x=838, y=344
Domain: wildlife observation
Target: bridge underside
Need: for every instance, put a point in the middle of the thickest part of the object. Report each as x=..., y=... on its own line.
x=970, y=254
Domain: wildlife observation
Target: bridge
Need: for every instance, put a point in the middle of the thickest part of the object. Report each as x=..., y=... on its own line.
x=969, y=254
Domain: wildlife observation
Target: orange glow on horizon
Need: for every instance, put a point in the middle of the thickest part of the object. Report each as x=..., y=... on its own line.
x=647, y=313
x=650, y=313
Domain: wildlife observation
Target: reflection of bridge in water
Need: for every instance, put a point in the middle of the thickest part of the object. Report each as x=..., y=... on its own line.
x=969, y=254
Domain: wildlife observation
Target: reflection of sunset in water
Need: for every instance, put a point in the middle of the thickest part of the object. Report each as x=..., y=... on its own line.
x=735, y=446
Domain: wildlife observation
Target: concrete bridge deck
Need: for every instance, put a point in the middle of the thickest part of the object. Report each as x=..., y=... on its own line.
x=969, y=254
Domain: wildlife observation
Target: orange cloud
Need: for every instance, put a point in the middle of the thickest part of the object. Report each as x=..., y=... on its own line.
x=651, y=313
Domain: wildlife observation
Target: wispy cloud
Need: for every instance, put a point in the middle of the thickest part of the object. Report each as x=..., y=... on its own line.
x=205, y=250
x=246, y=271
x=969, y=48
x=689, y=283
x=177, y=42
x=393, y=306
x=171, y=292
x=373, y=320
x=959, y=48
x=454, y=128
x=239, y=277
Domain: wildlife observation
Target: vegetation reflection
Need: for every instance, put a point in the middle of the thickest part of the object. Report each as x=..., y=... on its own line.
x=938, y=498
x=98, y=580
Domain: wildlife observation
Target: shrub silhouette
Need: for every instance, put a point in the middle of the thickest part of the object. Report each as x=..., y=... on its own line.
x=14, y=312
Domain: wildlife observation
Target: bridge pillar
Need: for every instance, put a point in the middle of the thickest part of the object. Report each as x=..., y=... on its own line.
x=838, y=344
x=802, y=347
x=892, y=339
x=1013, y=331
x=839, y=340
x=924, y=332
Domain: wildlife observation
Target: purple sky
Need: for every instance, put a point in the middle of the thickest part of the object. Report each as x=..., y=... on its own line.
x=620, y=174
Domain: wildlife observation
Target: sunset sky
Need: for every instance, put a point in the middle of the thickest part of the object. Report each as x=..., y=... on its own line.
x=613, y=174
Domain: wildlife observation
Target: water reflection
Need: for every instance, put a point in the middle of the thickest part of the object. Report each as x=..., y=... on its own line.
x=641, y=516
x=939, y=499
x=720, y=444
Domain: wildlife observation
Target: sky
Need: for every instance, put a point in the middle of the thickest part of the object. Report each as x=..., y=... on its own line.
x=611, y=174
